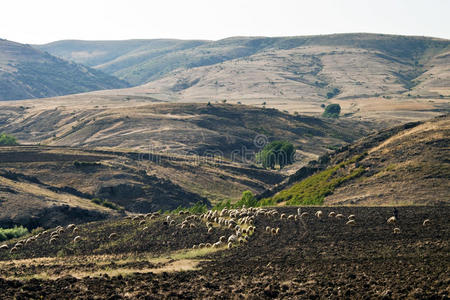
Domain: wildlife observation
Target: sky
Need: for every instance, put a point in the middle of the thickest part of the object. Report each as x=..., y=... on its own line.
x=43, y=21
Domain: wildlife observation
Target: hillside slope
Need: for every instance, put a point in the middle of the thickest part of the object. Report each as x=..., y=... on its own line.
x=26, y=73
x=405, y=165
x=306, y=66
x=218, y=129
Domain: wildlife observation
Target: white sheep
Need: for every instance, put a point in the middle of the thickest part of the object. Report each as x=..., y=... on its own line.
x=340, y=216
x=230, y=245
x=77, y=239
x=210, y=230
x=426, y=222
x=4, y=247
x=332, y=214
x=318, y=214
x=304, y=214
x=396, y=230
x=351, y=217
x=351, y=222
x=282, y=216
x=232, y=239
x=112, y=235
x=392, y=220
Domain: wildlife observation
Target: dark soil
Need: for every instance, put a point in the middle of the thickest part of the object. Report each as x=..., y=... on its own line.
x=312, y=259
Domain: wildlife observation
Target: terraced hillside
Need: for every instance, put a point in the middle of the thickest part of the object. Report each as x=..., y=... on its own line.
x=26, y=73
x=404, y=165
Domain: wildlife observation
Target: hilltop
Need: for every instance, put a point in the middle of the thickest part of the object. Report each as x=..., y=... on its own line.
x=404, y=165
x=26, y=73
x=372, y=76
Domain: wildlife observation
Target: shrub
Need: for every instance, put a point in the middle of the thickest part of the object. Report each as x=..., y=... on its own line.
x=333, y=93
x=7, y=140
x=247, y=199
x=107, y=204
x=11, y=233
x=81, y=164
x=332, y=111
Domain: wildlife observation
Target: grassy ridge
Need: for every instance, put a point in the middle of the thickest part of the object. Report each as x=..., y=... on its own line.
x=314, y=189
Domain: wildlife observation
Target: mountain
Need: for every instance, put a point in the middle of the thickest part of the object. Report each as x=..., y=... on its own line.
x=26, y=72
x=404, y=165
x=344, y=65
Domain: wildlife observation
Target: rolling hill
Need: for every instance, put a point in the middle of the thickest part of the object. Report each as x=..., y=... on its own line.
x=358, y=65
x=373, y=77
x=404, y=165
x=26, y=73
x=177, y=128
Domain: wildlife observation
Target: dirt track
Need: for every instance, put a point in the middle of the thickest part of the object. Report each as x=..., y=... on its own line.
x=311, y=259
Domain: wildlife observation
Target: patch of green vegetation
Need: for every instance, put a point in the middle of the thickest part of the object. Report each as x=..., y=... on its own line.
x=333, y=93
x=81, y=164
x=332, y=111
x=314, y=189
x=279, y=153
x=198, y=208
x=11, y=233
x=334, y=147
x=247, y=200
x=7, y=140
x=107, y=204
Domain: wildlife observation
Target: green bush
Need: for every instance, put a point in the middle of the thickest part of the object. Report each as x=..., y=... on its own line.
x=7, y=140
x=107, y=204
x=247, y=200
x=80, y=164
x=11, y=233
x=332, y=111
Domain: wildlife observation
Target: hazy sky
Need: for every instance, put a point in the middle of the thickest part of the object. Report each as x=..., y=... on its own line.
x=42, y=21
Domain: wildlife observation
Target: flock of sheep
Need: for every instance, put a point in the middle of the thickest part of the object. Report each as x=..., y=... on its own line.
x=241, y=221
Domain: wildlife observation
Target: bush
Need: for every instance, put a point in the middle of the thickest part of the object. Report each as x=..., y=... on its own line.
x=81, y=164
x=276, y=153
x=7, y=140
x=11, y=233
x=247, y=199
x=332, y=111
x=333, y=93
x=198, y=208
x=107, y=204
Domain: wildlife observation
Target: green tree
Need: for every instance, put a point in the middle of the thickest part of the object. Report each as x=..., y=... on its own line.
x=276, y=153
x=332, y=111
x=247, y=199
x=7, y=140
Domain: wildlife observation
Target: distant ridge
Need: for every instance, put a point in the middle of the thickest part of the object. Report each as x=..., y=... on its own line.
x=26, y=72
